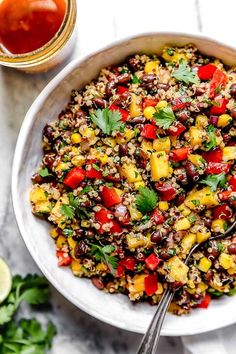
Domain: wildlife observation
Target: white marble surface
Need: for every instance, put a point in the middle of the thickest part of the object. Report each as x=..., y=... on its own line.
x=99, y=22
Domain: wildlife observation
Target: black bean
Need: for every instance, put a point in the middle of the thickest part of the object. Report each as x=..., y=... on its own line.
x=209, y=275
x=179, y=199
x=137, y=120
x=79, y=114
x=156, y=237
x=183, y=116
x=192, y=171
x=48, y=160
x=99, y=102
x=36, y=178
x=48, y=132
x=233, y=90
x=233, y=113
x=97, y=282
x=123, y=150
x=134, y=64
x=207, y=222
x=232, y=248
x=164, y=87
x=90, y=233
x=148, y=78
x=199, y=91
x=110, y=86
x=181, y=175
x=164, y=254
x=80, y=249
x=123, y=78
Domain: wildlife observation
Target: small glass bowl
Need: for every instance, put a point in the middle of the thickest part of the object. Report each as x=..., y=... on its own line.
x=52, y=53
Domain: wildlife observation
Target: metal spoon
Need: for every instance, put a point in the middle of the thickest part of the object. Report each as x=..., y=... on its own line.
x=151, y=338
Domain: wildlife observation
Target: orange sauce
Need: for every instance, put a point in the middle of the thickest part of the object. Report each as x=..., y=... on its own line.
x=26, y=25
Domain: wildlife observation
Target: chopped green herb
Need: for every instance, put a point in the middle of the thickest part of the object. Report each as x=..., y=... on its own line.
x=215, y=181
x=105, y=171
x=146, y=200
x=220, y=246
x=185, y=74
x=86, y=190
x=192, y=218
x=107, y=120
x=82, y=213
x=196, y=202
x=164, y=117
x=135, y=80
x=45, y=173
x=96, y=167
x=68, y=232
x=215, y=292
x=172, y=252
x=68, y=211
x=103, y=254
x=212, y=138
x=232, y=292
x=213, y=103
x=170, y=51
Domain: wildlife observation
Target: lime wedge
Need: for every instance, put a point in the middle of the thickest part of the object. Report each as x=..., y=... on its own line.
x=5, y=280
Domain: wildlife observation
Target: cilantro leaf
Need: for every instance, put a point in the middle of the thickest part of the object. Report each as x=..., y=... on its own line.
x=212, y=138
x=102, y=253
x=196, y=202
x=35, y=296
x=82, y=213
x=107, y=120
x=135, y=80
x=6, y=313
x=44, y=172
x=68, y=232
x=73, y=201
x=146, y=200
x=86, y=190
x=164, y=117
x=215, y=181
x=68, y=211
x=185, y=74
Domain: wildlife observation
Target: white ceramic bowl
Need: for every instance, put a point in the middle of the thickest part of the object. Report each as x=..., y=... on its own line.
x=113, y=309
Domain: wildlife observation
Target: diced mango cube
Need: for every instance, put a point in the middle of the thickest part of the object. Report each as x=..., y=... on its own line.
x=218, y=225
x=203, y=236
x=182, y=224
x=136, y=284
x=184, y=209
x=163, y=206
x=76, y=138
x=224, y=120
x=201, y=121
x=159, y=165
x=135, y=107
x=229, y=153
x=130, y=172
x=178, y=271
x=204, y=264
x=162, y=144
x=37, y=195
x=187, y=242
x=135, y=214
x=151, y=67
x=196, y=136
x=148, y=112
x=147, y=146
x=226, y=261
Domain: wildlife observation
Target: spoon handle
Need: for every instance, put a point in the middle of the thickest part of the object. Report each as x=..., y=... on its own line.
x=151, y=338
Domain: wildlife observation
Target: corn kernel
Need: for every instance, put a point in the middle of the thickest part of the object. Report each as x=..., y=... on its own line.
x=224, y=120
x=162, y=144
x=76, y=267
x=61, y=241
x=204, y=264
x=163, y=206
x=76, y=138
x=188, y=242
x=229, y=153
x=182, y=224
x=160, y=289
x=201, y=121
x=135, y=214
x=226, y=261
x=159, y=165
x=161, y=104
x=53, y=232
x=148, y=112
x=147, y=146
x=101, y=267
x=151, y=67
x=78, y=160
x=218, y=225
x=184, y=210
x=203, y=236
x=135, y=108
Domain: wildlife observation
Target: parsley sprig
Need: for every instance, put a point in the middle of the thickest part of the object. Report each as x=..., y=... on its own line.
x=73, y=209
x=164, y=117
x=215, y=181
x=211, y=138
x=25, y=336
x=146, y=200
x=107, y=120
x=102, y=253
x=185, y=74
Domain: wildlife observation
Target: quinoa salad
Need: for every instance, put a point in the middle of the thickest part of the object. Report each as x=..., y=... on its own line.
x=137, y=169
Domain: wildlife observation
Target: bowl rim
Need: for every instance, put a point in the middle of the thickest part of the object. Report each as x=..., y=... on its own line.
x=29, y=117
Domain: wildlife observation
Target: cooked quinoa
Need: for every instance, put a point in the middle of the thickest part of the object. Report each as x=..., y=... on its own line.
x=138, y=168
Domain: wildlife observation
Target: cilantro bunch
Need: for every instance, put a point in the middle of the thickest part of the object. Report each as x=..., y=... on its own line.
x=25, y=336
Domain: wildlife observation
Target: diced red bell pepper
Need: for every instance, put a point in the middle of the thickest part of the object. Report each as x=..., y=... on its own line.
x=221, y=109
x=232, y=183
x=149, y=131
x=91, y=173
x=121, y=89
x=110, y=197
x=217, y=167
x=222, y=211
x=64, y=259
x=128, y=263
x=166, y=191
x=205, y=302
x=104, y=216
x=179, y=154
x=225, y=195
x=150, y=284
x=157, y=217
x=120, y=271
x=152, y=261
x=74, y=177
x=177, y=105
x=176, y=129
x=123, y=112
x=219, y=80
x=213, y=155
x=206, y=72
x=149, y=102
